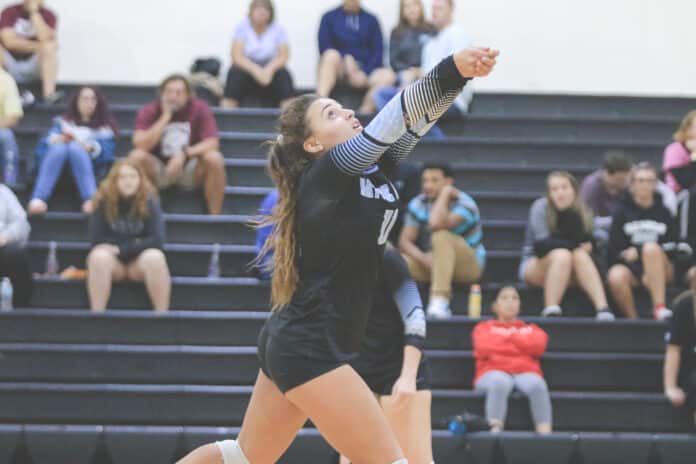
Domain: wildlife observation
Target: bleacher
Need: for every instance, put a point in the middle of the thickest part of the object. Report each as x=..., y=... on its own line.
x=132, y=386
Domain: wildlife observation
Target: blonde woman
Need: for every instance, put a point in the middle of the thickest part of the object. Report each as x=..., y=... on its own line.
x=558, y=247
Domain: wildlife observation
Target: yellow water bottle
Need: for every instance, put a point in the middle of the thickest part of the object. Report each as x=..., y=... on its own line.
x=475, y=301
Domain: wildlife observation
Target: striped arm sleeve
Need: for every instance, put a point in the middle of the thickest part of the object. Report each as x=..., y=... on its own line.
x=410, y=306
x=407, y=116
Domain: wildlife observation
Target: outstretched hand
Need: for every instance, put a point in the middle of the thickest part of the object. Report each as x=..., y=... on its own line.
x=476, y=62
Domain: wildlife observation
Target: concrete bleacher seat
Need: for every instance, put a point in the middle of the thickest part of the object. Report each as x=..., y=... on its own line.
x=134, y=386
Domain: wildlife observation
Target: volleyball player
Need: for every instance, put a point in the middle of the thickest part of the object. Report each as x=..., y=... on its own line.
x=335, y=212
x=391, y=360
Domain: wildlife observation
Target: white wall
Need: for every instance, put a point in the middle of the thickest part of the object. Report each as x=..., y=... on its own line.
x=576, y=46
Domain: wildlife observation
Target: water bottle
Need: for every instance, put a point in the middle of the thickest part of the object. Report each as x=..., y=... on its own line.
x=6, y=292
x=475, y=301
x=466, y=422
x=214, y=266
x=52, y=260
x=10, y=174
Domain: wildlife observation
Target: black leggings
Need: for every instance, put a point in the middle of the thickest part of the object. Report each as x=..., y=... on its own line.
x=14, y=263
x=241, y=84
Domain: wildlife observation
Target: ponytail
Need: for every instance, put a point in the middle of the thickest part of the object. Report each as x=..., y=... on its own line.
x=287, y=160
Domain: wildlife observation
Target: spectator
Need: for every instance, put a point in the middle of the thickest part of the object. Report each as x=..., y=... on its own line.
x=14, y=258
x=127, y=233
x=10, y=114
x=442, y=237
x=351, y=49
x=259, y=55
x=407, y=40
x=680, y=356
x=603, y=189
x=507, y=352
x=85, y=137
x=28, y=34
x=449, y=38
x=405, y=48
x=558, y=247
x=641, y=229
x=682, y=151
x=264, y=261
x=176, y=142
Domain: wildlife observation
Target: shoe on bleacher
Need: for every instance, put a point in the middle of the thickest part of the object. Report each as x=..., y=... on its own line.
x=27, y=98
x=662, y=313
x=439, y=308
x=552, y=311
x=605, y=315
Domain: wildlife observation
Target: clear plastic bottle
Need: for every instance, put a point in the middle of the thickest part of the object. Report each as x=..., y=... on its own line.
x=52, y=260
x=214, y=266
x=475, y=301
x=6, y=293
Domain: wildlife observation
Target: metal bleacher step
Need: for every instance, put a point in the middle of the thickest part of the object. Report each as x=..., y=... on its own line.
x=541, y=126
x=241, y=328
x=183, y=405
x=238, y=365
x=127, y=444
x=243, y=293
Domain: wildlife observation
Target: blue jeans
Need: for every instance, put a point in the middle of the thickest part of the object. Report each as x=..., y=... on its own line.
x=52, y=165
x=8, y=144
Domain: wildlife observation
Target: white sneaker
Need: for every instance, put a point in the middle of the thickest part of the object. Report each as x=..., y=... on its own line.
x=662, y=314
x=605, y=315
x=552, y=311
x=438, y=308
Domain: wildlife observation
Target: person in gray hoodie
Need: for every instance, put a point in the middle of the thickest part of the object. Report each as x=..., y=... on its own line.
x=14, y=260
x=558, y=246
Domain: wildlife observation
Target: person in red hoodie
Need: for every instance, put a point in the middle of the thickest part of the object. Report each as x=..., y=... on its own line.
x=507, y=352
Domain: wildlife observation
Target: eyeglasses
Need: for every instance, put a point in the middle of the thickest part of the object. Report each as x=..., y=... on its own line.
x=645, y=180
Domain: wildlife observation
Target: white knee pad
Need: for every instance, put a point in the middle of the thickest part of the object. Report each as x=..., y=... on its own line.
x=231, y=452
x=401, y=461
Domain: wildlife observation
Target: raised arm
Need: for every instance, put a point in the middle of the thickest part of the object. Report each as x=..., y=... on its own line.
x=409, y=115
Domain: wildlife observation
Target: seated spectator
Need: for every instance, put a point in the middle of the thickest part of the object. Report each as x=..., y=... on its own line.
x=507, y=352
x=442, y=238
x=405, y=48
x=259, y=55
x=351, y=49
x=10, y=114
x=264, y=261
x=641, y=229
x=682, y=151
x=127, y=233
x=603, y=189
x=14, y=258
x=449, y=38
x=557, y=250
x=28, y=34
x=176, y=142
x=85, y=136
x=680, y=355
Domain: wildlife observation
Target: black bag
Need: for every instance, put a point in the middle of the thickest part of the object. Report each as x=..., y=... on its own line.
x=208, y=65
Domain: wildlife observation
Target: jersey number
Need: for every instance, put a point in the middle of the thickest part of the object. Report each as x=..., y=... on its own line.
x=390, y=216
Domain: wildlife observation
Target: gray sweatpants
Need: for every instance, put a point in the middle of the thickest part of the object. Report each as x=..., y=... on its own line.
x=498, y=385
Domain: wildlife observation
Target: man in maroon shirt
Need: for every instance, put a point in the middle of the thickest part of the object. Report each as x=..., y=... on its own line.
x=176, y=141
x=28, y=35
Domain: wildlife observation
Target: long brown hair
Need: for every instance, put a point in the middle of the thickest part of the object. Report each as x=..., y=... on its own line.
x=403, y=22
x=680, y=135
x=578, y=205
x=287, y=160
x=109, y=196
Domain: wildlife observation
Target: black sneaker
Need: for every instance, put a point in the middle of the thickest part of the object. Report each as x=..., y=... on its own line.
x=55, y=98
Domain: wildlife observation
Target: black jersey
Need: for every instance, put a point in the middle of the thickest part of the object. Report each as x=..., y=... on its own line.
x=396, y=319
x=346, y=208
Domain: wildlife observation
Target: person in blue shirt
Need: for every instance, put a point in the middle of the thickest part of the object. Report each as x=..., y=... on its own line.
x=262, y=266
x=351, y=50
x=442, y=238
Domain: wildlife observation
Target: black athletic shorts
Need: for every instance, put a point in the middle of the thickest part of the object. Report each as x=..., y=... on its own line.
x=280, y=360
x=382, y=381
x=690, y=390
